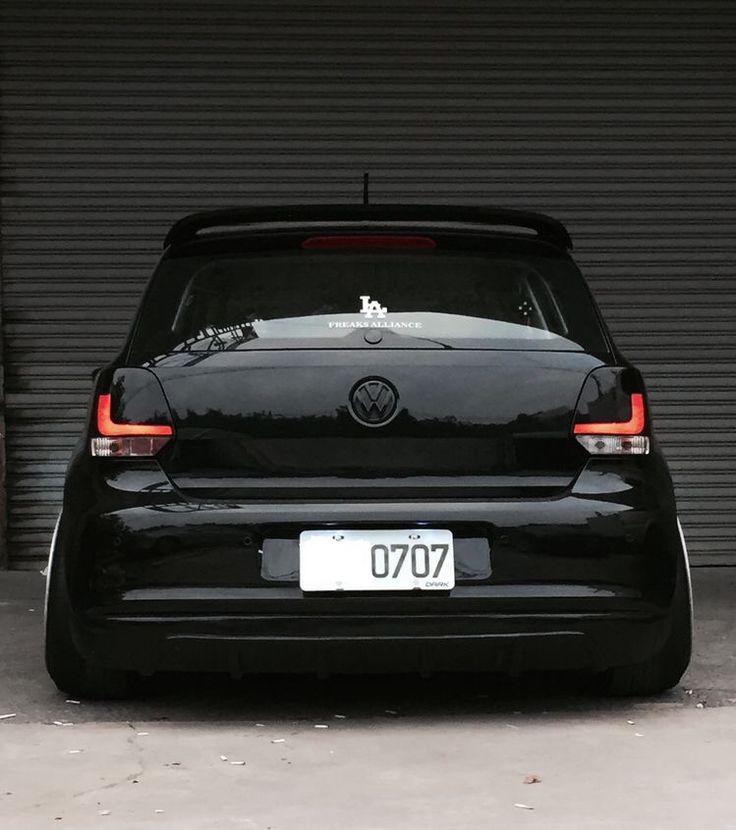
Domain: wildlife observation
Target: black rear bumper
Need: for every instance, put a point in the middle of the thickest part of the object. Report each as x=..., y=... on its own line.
x=156, y=581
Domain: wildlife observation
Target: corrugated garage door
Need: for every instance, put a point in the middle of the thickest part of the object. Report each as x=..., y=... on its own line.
x=618, y=118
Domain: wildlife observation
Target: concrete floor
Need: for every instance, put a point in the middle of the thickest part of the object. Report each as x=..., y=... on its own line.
x=451, y=752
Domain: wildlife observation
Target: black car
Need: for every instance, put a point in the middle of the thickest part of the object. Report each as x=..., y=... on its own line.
x=368, y=438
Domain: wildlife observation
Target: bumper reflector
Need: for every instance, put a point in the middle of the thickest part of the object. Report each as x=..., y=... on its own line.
x=128, y=446
x=615, y=444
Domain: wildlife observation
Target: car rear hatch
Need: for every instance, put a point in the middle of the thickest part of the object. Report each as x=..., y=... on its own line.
x=277, y=424
x=476, y=347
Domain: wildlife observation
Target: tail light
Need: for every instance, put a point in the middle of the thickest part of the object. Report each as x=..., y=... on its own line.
x=123, y=439
x=611, y=420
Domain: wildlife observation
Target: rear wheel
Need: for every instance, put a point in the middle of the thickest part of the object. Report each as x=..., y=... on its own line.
x=663, y=670
x=71, y=671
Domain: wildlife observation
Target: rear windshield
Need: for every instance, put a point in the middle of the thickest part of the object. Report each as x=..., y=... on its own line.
x=366, y=298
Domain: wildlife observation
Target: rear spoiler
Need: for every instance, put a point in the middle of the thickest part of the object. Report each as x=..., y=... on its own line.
x=231, y=220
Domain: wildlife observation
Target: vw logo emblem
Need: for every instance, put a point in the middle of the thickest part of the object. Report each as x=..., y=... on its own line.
x=373, y=402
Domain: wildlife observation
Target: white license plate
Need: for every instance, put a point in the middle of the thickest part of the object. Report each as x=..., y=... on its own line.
x=376, y=560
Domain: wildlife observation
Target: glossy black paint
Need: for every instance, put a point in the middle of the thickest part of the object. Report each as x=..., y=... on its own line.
x=149, y=565
x=188, y=560
x=279, y=421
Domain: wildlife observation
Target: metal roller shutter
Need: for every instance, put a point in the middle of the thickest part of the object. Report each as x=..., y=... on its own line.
x=117, y=118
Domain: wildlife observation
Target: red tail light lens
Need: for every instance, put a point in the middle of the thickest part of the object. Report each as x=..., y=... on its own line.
x=368, y=241
x=634, y=426
x=121, y=440
x=106, y=425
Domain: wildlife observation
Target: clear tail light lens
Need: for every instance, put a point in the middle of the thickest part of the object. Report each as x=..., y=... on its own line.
x=615, y=444
x=137, y=446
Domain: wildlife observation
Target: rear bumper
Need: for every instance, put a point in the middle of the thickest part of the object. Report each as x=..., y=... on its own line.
x=156, y=581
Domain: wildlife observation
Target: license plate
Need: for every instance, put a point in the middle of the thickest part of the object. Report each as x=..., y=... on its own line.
x=376, y=560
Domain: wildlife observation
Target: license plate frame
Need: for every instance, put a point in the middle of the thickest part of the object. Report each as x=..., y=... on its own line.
x=405, y=559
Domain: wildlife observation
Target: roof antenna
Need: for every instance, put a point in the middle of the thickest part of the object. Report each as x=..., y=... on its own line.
x=365, y=188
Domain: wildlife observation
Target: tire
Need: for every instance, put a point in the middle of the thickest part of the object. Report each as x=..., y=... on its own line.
x=663, y=670
x=70, y=670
